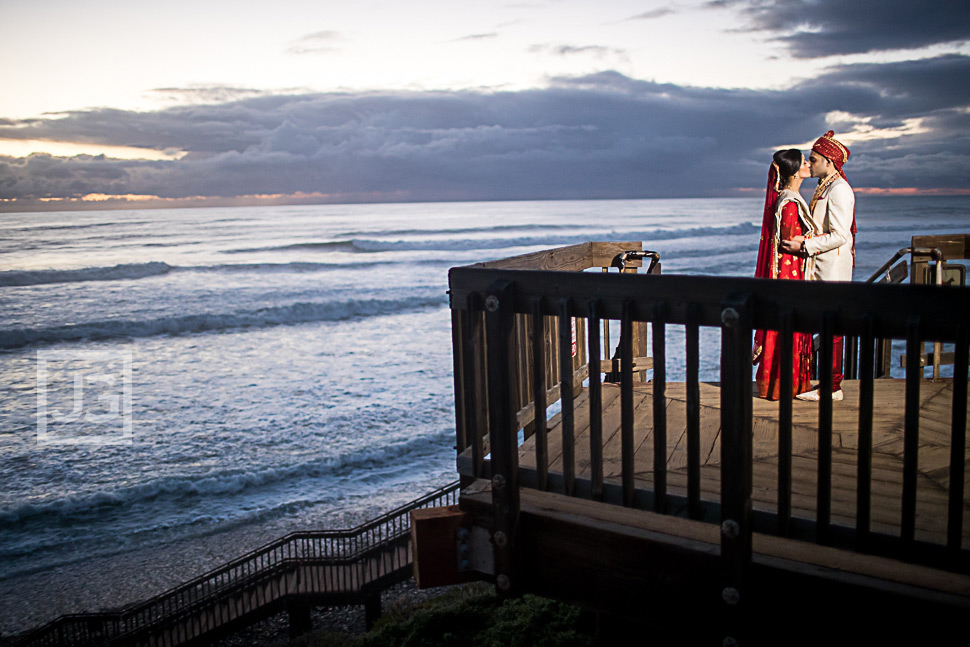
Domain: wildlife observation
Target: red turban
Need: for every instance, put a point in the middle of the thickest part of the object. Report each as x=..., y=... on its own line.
x=836, y=151
x=833, y=149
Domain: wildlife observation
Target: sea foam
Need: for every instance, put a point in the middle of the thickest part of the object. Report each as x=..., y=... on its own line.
x=296, y=313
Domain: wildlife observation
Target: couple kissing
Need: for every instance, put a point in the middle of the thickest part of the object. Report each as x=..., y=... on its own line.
x=804, y=242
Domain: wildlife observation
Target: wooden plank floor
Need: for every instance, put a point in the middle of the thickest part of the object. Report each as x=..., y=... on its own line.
x=887, y=460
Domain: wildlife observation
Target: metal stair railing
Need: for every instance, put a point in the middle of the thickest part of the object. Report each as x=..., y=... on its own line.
x=274, y=587
x=347, y=547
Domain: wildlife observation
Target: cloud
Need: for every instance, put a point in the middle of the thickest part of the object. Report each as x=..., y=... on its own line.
x=598, y=51
x=477, y=37
x=905, y=87
x=320, y=42
x=819, y=28
x=205, y=94
x=653, y=14
x=602, y=135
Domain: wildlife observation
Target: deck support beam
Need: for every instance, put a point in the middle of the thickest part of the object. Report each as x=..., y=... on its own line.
x=736, y=461
x=502, y=433
x=298, y=612
x=663, y=573
x=372, y=610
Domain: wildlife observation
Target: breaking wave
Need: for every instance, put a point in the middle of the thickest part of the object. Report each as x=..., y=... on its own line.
x=371, y=245
x=296, y=313
x=228, y=483
x=204, y=503
x=122, y=272
x=329, y=245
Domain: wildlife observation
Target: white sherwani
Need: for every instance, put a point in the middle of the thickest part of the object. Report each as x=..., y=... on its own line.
x=832, y=249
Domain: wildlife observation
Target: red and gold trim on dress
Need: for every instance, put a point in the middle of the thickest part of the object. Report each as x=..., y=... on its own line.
x=777, y=255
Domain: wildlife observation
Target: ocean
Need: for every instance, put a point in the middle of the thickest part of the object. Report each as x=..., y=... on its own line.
x=181, y=386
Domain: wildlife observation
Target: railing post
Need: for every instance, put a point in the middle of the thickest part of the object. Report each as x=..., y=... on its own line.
x=692, y=333
x=736, y=459
x=459, y=320
x=595, y=401
x=786, y=335
x=958, y=442
x=884, y=356
x=301, y=621
x=863, y=513
x=659, y=409
x=566, y=398
x=372, y=609
x=472, y=391
x=627, y=448
x=914, y=374
x=502, y=432
x=539, y=394
x=823, y=493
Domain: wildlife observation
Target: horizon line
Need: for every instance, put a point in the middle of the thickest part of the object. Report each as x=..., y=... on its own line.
x=96, y=202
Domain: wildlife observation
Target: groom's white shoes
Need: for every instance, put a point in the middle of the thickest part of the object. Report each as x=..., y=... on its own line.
x=813, y=395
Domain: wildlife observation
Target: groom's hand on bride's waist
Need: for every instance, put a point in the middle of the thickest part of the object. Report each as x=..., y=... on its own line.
x=794, y=246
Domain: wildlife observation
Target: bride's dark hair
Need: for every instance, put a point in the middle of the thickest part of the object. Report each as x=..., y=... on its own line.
x=788, y=163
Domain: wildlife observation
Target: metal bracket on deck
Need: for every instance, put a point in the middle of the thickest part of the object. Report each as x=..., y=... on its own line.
x=475, y=550
x=448, y=547
x=620, y=260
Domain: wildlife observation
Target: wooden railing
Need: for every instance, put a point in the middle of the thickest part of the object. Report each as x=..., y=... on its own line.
x=551, y=353
x=927, y=265
x=351, y=565
x=489, y=302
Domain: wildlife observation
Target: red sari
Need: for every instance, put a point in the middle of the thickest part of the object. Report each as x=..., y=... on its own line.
x=774, y=264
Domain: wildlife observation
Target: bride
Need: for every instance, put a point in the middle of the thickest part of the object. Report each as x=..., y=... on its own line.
x=785, y=216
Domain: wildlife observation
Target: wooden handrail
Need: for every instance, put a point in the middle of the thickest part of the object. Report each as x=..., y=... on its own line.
x=574, y=258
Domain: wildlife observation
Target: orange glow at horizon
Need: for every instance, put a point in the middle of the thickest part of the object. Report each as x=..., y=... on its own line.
x=101, y=197
x=148, y=198
x=133, y=197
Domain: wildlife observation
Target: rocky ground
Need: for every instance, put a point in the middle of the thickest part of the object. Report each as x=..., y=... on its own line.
x=275, y=631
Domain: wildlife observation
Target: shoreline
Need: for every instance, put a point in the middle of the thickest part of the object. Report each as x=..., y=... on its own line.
x=114, y=582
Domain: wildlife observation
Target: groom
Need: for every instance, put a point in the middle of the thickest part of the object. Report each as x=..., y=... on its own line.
x=833, y=213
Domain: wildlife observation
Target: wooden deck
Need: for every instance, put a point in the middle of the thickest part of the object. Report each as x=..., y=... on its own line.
x=887, y=457
x=624, y=539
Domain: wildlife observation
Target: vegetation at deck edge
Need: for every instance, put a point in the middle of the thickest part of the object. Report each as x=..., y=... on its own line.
x=472, y=616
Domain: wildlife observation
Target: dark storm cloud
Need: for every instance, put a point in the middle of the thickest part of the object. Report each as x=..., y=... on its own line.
x=598, y=136
x=903, y=88
x=818, y=28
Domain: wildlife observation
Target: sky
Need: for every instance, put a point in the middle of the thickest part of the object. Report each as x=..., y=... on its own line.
x=107, y=103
